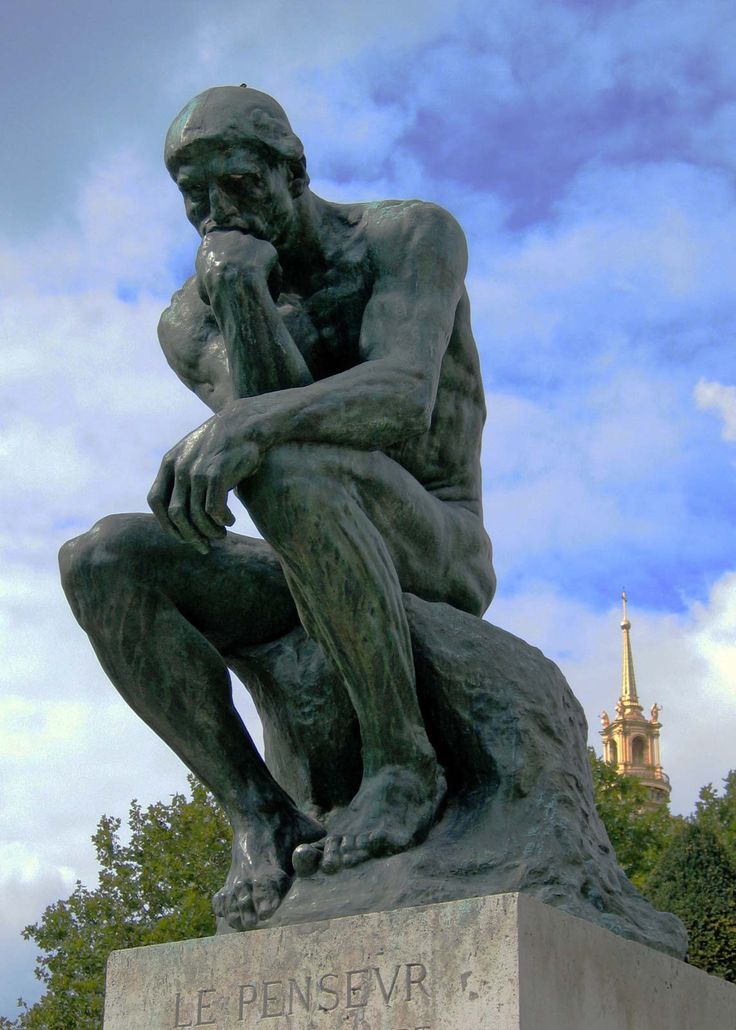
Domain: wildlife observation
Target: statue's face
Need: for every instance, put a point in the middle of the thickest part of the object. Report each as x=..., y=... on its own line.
x=228, y=186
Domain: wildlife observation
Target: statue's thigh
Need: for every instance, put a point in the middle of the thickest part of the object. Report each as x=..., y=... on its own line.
x=236, y=594
x=440, y=550
x=304, y=493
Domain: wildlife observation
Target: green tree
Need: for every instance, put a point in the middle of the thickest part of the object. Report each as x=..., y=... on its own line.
x=696, y=879
x=158, y=886
x=155, y=888
x=638, y=833
x=718, y=812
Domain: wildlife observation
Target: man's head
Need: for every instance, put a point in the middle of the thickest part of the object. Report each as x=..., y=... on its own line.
x=236, y=160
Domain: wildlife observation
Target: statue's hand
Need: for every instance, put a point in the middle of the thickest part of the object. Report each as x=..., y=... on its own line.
x=226, y=257
x=189, y=494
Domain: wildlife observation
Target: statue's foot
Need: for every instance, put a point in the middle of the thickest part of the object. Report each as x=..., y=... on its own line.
x=261, y=871
x=393, y=811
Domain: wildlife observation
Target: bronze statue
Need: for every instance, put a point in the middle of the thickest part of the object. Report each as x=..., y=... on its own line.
x=333, y=344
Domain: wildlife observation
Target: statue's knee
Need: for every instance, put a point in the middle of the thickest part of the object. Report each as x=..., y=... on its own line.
x=285, y=485
x=91, y=563
x=287, y=463
x=480, y=582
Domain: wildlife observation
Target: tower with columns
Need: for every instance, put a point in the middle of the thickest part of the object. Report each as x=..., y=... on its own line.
x=630, y=740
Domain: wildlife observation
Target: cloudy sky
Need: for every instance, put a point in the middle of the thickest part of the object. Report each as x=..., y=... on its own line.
x=589, y=150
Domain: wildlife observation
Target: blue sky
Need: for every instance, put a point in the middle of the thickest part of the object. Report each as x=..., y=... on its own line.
x=589, y=151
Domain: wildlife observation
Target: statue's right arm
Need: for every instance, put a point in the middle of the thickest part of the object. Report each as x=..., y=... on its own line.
x=194, y=347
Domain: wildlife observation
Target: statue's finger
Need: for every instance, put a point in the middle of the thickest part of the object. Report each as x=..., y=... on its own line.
x=215, y=504
x=159, y=497
x=197, y=510
x=178, y=513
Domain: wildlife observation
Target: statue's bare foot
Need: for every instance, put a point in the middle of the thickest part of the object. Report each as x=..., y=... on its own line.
x=261, y=870
x=393, y=811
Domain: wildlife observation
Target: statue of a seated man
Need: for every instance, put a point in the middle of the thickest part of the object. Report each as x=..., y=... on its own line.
x=333, y=344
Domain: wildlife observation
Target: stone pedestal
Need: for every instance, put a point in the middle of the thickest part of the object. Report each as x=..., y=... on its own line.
x=504, y=962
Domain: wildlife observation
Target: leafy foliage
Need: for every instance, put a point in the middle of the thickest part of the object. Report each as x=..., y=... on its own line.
x=685, y=866
x=639, y=835
x=155, y=888
x=718, y=812
x=696, y=879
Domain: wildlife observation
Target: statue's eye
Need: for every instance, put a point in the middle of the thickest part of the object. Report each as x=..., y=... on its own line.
x=191, y=191
x=239, y=181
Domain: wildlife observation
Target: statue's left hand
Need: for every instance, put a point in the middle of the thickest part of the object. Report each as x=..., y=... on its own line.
x=189, y=494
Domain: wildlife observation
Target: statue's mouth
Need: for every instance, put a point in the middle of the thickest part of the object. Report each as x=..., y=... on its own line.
x=227, y=227
x=248, y=229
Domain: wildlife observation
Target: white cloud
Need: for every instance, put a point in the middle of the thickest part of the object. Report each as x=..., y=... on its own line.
x=714, y=636
x=314, y=65
x=588, y=307
x=118, y=232
x=645, y=245
x=712, y=396
x=654, y=44
x=20, y=864
x=715, y=136
x=41, y=459
x=578, y=473
x=27, y=726
x=22, y=900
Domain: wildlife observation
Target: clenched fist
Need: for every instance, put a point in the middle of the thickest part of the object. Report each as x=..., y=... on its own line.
x=228, y=257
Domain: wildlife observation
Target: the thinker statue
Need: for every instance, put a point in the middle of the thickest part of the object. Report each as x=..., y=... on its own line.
x=333, y=344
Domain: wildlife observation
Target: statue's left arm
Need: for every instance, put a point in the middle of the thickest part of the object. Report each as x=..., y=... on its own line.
x=420, y=255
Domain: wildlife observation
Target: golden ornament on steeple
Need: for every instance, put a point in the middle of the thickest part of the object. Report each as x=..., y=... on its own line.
x=630, y=741
x=628, y=679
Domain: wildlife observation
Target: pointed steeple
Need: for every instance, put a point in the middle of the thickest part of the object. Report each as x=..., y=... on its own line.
x=628, y=679
x=631, y=741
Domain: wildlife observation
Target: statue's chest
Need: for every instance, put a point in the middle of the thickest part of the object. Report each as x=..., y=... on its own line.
x=326, y=326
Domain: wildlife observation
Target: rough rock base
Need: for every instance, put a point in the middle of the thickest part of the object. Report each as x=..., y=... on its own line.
x=511, y=735
x=505, y=962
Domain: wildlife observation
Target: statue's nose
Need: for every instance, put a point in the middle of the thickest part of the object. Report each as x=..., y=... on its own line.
x=220, y=203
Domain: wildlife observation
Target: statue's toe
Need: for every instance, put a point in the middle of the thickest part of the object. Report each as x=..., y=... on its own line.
x=306, y=858
x=219, y=904
x=267, y=894
x=242, y=914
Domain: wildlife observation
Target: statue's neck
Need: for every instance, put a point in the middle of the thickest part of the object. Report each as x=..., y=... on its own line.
x=303, y=255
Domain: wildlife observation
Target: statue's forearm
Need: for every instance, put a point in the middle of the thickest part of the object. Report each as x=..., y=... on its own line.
x=262, y=355
x=373, y=406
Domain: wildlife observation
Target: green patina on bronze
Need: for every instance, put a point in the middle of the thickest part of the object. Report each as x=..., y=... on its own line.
x=413, y=752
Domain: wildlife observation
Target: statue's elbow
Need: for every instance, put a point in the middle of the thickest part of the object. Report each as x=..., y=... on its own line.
x=414, y=403
x=424, y=419
x=424, y=400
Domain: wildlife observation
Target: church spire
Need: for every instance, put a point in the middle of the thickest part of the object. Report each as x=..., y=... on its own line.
x=628, y=679
x=631, y=741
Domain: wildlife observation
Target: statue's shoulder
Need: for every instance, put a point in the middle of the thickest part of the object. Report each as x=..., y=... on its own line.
x=397, y=229
x=391, y=217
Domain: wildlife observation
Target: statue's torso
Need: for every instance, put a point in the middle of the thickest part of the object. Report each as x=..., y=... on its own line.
x=325, y=323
